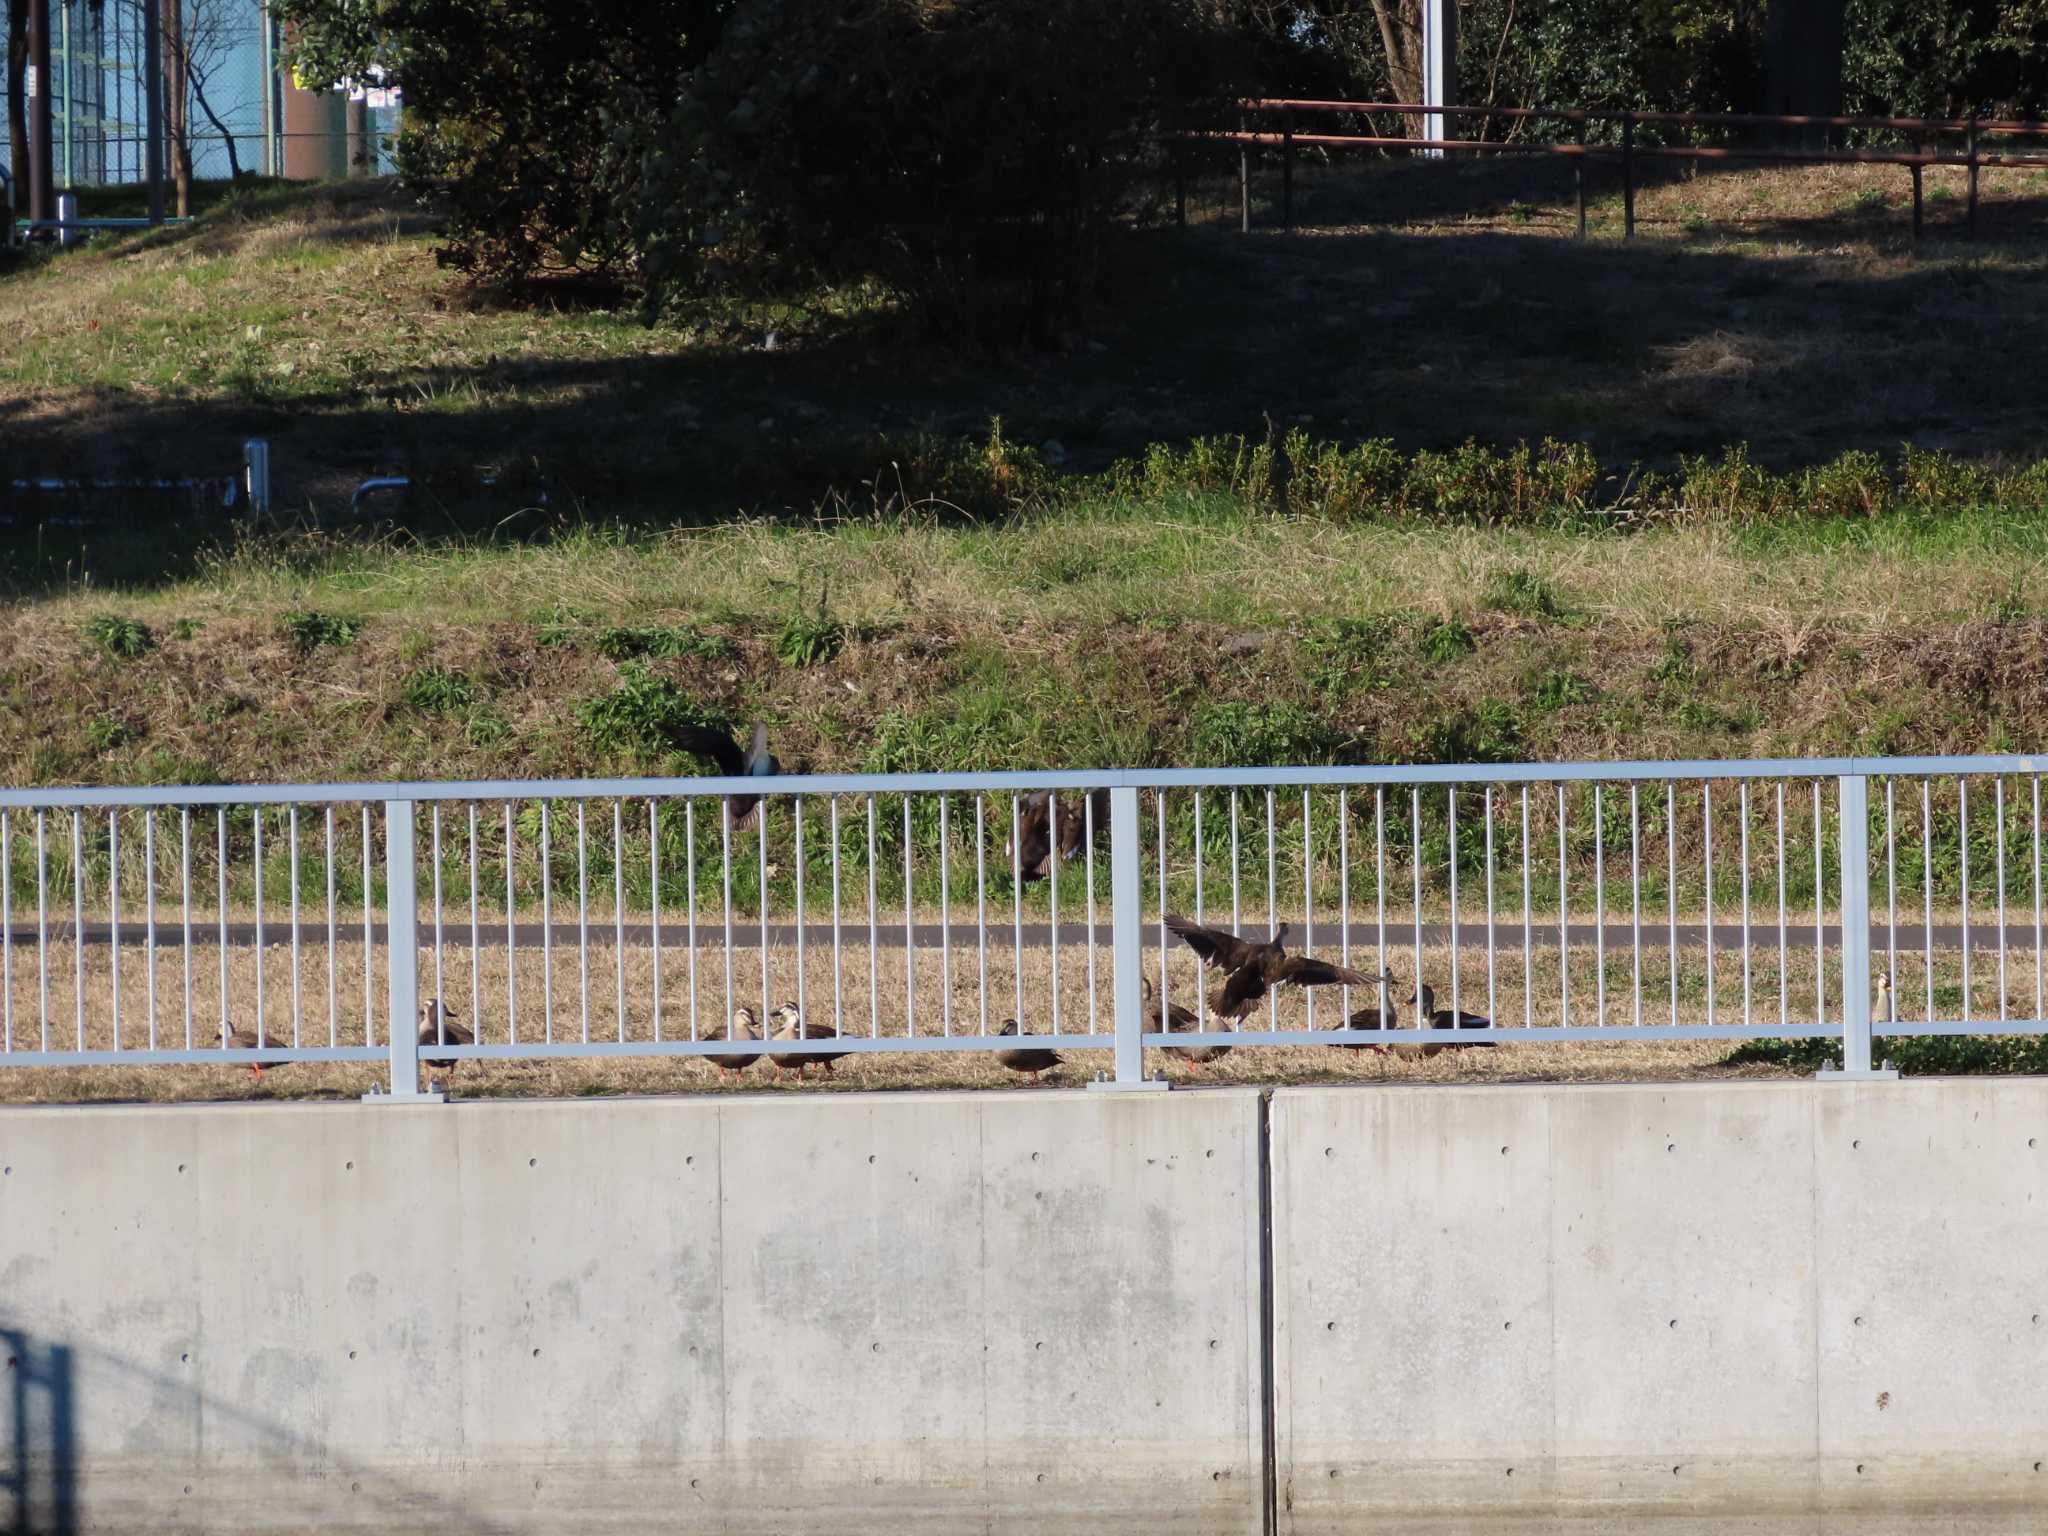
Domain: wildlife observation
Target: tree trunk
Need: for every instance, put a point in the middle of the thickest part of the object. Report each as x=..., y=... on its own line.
x=1803, y=65
x=1400, y=24
x=17, y=95
x=178, y=102
x=357, y=125
x=227, y=137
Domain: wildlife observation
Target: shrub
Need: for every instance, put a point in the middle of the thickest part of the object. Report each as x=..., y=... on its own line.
x=1235, y=734
x=623, y=642
x=309, y=630
x=1523, y=593
x=122, y=639
x=1445, y=640
x=641, y=713
x=438, y=690
x=103, y=733
x=806, y=640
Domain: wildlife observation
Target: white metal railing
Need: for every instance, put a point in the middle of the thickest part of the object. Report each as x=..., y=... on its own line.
x=636, y=917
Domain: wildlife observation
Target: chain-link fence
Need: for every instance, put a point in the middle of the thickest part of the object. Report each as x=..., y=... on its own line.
x=240, y=113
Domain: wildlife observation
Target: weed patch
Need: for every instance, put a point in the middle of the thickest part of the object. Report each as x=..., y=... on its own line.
x=309, y=630
x=121, y=638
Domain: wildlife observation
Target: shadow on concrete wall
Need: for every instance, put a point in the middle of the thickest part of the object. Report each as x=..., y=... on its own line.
x=39, y=1477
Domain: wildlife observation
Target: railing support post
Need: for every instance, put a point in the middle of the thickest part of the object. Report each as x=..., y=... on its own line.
x=1972, y=146
x=1126, y=933
x=1853, y=814
x=1286, y=169
x=1628, y=177
x=1916, y=204
x=402, y=957
x=1244, y=178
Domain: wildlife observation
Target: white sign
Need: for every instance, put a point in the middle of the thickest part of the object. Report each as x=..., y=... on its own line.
x=31, y=86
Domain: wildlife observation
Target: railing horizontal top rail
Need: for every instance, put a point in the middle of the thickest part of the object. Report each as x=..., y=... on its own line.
x=1080, y=779
x=1620, y=114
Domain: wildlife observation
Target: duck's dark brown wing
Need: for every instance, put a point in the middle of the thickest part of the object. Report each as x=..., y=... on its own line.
x=1074, y=816
x=1034, y=836
x=715, y=747
x=1225, y=951
x=1243, y=987
x=1300, y=971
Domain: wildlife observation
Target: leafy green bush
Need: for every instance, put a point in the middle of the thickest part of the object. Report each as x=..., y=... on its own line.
x=1521, y=592
x=623, y=642
x=1445, y=640
x=1914, y=1055
x=103, y=733
x=438, y=690
x=807, y=640
x=1235, y=734
x=642, y=713
x=309, y=630
x=122, y=639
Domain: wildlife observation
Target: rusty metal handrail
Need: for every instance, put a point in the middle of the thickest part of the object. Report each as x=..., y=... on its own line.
x=1916, y=159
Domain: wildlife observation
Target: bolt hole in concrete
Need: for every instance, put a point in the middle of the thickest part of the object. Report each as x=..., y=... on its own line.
x=1504, y=1327
x=1672, y=1147
x=352, y=1354
x=1859, y=1322
x=1511, y=1471
x=181, y=1167
x=1859, y=1469
x=1210, y=1153
x=693, y=1482
x=355, y=1487
x=2037, y=1466
x=1330, y=1327
x=1039, y=1345
x=875, y=1348
x=533, y=1162
x=1673, y=1323
x=184, y=1359
x=1503, y=1151
x=1034, y=1157
x=871, y=1157
x=1329, y=1151
x=689, y=1162
x=349, y=1167
x=1333, y=1472
x=536, y=1354
x=1212, y=1343
x=1041, y=1477
x=1674, y=1471
x=188, y=1487
x=1855, y=1146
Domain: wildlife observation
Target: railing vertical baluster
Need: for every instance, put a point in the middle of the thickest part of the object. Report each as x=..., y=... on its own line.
x=1671, y=885
x=1927, y=889
x=583, y=917
x=797, y=837
x=476, y=937
x=292, y=832
x=1415, y=864
x=1853, y=813
x=838, y=950
x=7, y=928
x=874, y=938
x=1159, y=810
x=220, y=828
x=78, y=922
x=1599, y=911
x=1272, y=913
x=1707, y=825
x=1528, y=921
x=402, y=956
x=981, y=913
x=2037, y=899
x=1564, y=911
x=1017, y=905
x=1492, y=991
x=910, y=939
x=369, y=949
x=440, y=983
x=333, y=963
x=1635, y=899
x=1236, y=905
x=511, y=934
x=1963, y=839
x=1379, y=865
x=1052, y=809
x=1820, y=948
x=690, y=896
x=1343, y=887
x=148, y=914
x=1126, y=915
x=1451, y=820
x=113, y=915
x=946, y=923
x=547, y=926
x=185, y=905
x=1201, y=1000
x=618, y=916
x=1308, y=903
x=725, y=870
x=1784, y=937
x=43, y=920
x=1891, y=894
x=1742, y=809
x=1999, y=791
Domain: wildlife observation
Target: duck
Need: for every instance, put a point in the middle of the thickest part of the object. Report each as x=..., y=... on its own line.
x=1030, y=1060
x=1429, y=1016
x=239, y=1039
x=1251, y=970
x=1372, y=1018
x=1036, y=834
x=1181, y=1020
x=744, y=1027
x=438, y=1027
x=732, y=761
x=790, y=1025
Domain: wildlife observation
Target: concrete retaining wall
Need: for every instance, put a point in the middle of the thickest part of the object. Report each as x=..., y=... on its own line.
x=1732, y=1306
x=972, y=1312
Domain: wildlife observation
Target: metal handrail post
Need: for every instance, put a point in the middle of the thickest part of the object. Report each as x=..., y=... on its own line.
x=402, y=955
x=1126, y=949
x=1853, y=817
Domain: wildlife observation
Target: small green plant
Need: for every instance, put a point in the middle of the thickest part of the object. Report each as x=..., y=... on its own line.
x=807, y=640
x=2012, y=603
x=1346, y=654
x=1235, y=734
x=308, y=630
x=103, y=733
x=1446, y=640
x=624, y=642
x=438, y=690
x=1488, y=732
x=484, y=729
x=186, y=629
x=562, y=625
x=1559, y=689
x=1521, y=213
x=224, y=706
x=642, y=713
x=122, y=639
x=1523, y=593
x=1870, y=200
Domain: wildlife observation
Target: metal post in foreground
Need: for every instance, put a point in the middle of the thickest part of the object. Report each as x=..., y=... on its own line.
x=256, y=477
x=1916, y=203
x=402, y=957
x=1244, y=180
x=1853, y=815
x=42, y=161
x=1127, y=954
x=1972, y=147
x=1286, y=169
x=153, y=110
